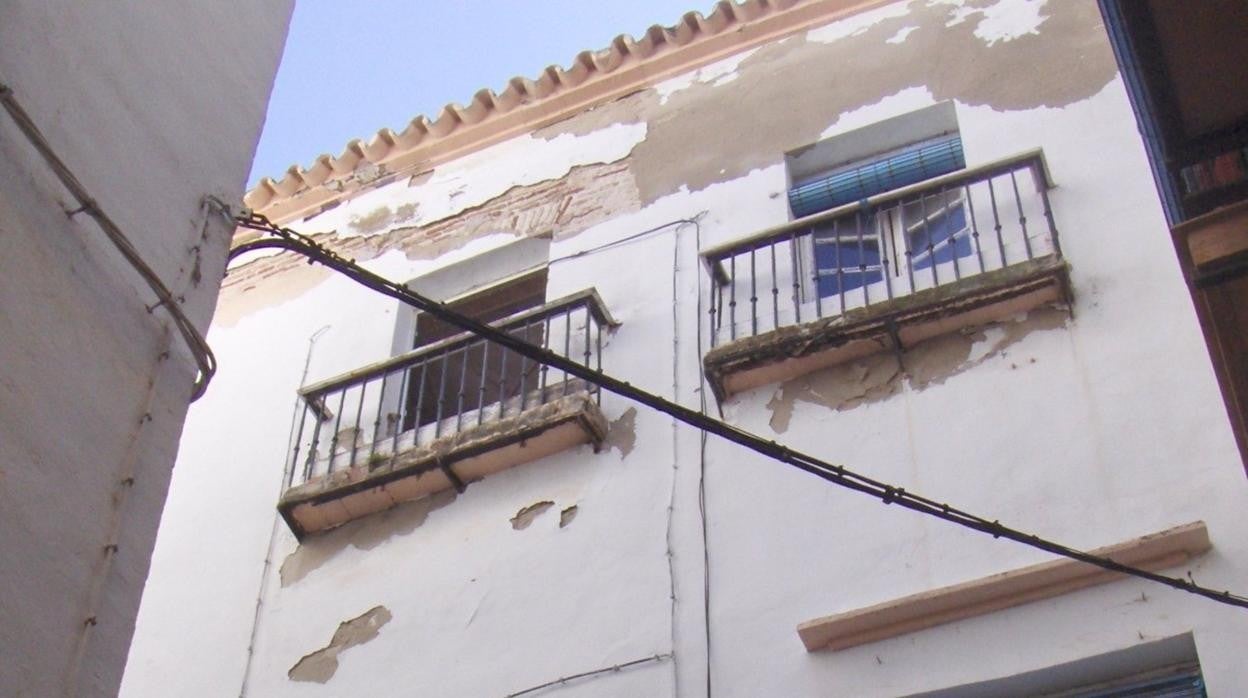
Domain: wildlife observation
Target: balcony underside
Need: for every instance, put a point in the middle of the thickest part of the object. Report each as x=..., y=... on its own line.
x=445, y=463
x=788, y=352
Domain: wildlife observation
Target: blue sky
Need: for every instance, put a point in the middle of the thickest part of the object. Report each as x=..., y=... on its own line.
x=351, y=68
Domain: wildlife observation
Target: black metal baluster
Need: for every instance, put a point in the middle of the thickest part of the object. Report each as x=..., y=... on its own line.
x=862, y=266
x=775, y=287
x=905, y=243
x=884, y=243
x=952, y=241
x=753, y=294
x=567, y=344
x=398, y=417
x=545, y=345
x=420, y=401
x=711, y=301
x=524, y=370
x=463, y=382
x=1022, y=218
x=815, y=271
x=970, y=210
x=1048, y=215
x=598, y=359
x=840, y=270
x=588, y=353
x=719, y=319
x=316, y=439
x=927, y=233
x=437, y=424
x=996, y=220
x=381, y=399
x=294, y=459
x=797, y=278
x=333, y=446
x=732, y=298
x=502, y=381
x=485, y=366
x=359, y=415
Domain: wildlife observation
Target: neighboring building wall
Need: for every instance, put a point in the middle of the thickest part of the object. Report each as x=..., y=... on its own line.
x=153, y=106
x=1090, y=428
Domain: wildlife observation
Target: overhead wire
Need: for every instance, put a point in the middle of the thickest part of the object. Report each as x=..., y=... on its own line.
x=288, y=239
x=200, y=351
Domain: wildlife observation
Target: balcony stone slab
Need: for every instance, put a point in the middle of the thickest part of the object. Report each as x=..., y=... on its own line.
x=795, y=350
x=444, y=463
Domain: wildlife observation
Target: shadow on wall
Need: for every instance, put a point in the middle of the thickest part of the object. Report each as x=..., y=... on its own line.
x=880, y=376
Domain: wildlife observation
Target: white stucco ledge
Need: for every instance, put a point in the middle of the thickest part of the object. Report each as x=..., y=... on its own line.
x=908, y=614
x=554, y=426
x=787, y=352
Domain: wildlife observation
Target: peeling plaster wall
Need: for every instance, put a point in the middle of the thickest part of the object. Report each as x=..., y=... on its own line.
x=151, y=113
x=1091, y=427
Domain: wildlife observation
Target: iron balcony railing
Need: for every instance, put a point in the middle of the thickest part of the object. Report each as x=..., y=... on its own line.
x=933, y=233
x=370, y=415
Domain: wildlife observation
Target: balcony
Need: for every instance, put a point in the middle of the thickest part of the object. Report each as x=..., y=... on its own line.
x=443, y=415
x=882, y=274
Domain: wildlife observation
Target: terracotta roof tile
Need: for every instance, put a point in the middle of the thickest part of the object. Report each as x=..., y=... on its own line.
x=553, y=95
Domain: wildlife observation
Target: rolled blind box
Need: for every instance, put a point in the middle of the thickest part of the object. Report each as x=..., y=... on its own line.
x=909, y=166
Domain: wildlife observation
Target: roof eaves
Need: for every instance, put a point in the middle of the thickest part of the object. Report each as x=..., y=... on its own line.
x=526, y=104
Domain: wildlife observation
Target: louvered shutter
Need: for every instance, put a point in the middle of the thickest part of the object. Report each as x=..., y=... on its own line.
x=915, y=164
x=1186, y=685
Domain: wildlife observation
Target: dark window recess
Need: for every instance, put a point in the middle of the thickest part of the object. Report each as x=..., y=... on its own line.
x=1185, y=684
x=435, y=390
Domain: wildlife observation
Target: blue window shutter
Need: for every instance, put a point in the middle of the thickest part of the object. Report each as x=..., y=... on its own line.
x=1186, y=685
x=915, y=164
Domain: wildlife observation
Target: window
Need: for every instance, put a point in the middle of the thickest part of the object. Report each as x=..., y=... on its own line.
x=438, y=393
x=1166, y=668
x=1179, y=682
x=891, y=244
x=882, y=213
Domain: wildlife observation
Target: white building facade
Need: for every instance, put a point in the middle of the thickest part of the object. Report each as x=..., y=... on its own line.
x=918, y=239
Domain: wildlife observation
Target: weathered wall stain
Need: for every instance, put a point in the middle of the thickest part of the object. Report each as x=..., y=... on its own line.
x=319, y=666
x=622, y=433
x=588, y=195
x=525, y=516
x=795, y=89
x=880, y=376
x=374, y=220
x=363, y=534
x=838, y=388
x=566, y=516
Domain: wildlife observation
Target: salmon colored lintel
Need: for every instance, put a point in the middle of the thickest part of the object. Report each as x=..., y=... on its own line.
x=980, y=596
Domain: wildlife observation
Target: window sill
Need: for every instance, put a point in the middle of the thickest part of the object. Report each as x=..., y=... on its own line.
x=448, y=462
x=1156, y=551
x=795, y=350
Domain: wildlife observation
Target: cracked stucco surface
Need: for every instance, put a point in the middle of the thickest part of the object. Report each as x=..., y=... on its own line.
x=321, y=665
x=723, y=124
x=622, y=432
x=525, y=515
x=932, y=362
x=362, y=535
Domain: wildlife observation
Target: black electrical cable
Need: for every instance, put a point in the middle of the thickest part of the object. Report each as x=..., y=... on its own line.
x=287, y=239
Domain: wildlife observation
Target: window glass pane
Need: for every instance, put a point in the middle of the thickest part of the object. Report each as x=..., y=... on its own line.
x=942, y=237
x=858, y=262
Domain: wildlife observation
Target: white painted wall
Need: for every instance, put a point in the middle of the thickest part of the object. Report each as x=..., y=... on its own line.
x=1100, y=431
x=151, y=111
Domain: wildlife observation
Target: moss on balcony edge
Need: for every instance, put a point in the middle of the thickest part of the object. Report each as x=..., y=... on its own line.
x=378, y=480
x=880, y=325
